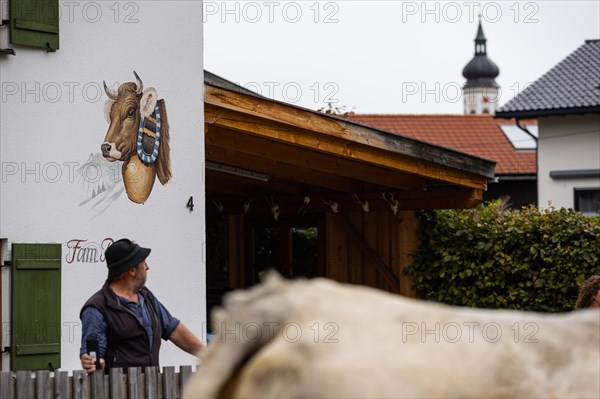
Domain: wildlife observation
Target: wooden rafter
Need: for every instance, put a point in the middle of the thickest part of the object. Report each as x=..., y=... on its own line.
x=277, y=120
x=317, y=162
x=276, y=169
x=350, y=150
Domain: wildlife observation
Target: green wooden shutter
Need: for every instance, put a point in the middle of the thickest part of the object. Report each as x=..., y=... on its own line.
x=35, y=307
x=34, y=23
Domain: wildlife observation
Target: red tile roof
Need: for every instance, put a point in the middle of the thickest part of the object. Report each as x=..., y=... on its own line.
x=478, y=135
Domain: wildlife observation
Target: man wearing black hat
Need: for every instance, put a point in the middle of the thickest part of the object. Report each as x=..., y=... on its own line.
x=125, y=318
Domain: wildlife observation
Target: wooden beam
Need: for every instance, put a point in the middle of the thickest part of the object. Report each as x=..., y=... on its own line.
x=383, y=269
x=310, y=160
x=243, y=187
x=405, y=242
x=280, y=170
x=330, y=145
x=293, y=204
x=341, y=128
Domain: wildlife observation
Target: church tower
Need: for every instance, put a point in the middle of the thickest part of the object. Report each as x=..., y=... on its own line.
x=480, y=92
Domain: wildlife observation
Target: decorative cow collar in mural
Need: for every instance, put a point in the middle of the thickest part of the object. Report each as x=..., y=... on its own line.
x=138, y=135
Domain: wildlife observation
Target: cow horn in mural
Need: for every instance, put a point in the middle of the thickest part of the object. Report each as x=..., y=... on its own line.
x=138, y=83
x=138, y=135
x=110, y=93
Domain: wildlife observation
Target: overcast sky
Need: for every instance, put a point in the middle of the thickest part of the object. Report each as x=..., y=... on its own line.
x=387, y=56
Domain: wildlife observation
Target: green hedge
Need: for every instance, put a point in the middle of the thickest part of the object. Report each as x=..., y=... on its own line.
x=490, y=257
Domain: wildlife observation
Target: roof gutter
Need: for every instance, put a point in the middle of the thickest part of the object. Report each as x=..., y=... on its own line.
x=534, y=114
x=524, y=128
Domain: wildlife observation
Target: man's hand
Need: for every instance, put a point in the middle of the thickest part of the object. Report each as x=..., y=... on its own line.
x=88, y=364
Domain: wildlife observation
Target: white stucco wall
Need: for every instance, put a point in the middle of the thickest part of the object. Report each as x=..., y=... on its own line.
x=52, y=120
x=566, y=143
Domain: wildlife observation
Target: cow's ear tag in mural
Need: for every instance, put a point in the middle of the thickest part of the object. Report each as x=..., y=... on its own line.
x=148, y=138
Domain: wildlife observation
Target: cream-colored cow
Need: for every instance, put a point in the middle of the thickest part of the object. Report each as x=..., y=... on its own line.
x=320, y=339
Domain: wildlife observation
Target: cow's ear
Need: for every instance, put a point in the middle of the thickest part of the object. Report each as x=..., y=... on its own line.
x=148, y=102
x=107, y=107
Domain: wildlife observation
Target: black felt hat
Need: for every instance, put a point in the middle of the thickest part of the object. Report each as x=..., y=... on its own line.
x=122, y=255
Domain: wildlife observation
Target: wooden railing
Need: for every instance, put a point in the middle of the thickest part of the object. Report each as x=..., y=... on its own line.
x=134, y=384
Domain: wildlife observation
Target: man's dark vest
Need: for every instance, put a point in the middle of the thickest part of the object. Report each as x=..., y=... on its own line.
x=128, y=342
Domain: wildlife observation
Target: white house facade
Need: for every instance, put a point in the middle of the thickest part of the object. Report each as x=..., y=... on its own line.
x=566, y=103
x=63, y=156
x=569, y=161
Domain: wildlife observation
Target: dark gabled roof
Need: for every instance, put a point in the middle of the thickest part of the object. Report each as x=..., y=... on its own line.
x=570, y=87
x=219, y=81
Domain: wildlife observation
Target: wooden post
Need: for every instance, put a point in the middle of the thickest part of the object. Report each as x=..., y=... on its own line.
x=42, y=385
x=98, y=384
x=24, y=385
x=169, y=385
x=407, y=243
x=61, y=385
x=3, y=243
x=151, y=375
x=81, y=388
x=134, y=382
x=185, y=372
x=118, y=388
x=6, y=384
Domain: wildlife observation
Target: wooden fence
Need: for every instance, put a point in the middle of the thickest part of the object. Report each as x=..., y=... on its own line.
x=134, y=384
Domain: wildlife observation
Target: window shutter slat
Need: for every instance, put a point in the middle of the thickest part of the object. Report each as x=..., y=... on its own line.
x=35, y=306
x=34, y=23
x=35, y=26
x=37, y=349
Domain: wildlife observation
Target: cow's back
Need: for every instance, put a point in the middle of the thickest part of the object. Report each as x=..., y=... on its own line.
x=322, y=339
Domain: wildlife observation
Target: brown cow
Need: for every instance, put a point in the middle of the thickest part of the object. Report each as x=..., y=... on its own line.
x=123, y=111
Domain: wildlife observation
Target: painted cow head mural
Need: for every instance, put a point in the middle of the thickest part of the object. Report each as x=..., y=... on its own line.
x=138, y=135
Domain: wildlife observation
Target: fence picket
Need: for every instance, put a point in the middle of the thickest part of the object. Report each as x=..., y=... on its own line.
x=118, y=385
x=24, y=384
x=151, y=384
x=6, y=384
x=61, y=385
x=135, y=387
x=169, y=385
x=185, y=372
x=42, y=385
x=98, y=384
x=81, y=386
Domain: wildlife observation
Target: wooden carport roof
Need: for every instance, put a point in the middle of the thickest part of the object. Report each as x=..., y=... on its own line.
x=288, y=152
